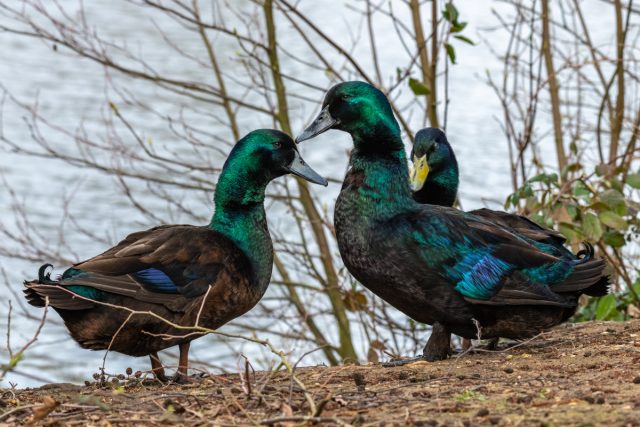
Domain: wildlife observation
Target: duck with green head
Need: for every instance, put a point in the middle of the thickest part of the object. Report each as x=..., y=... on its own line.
x=440, y=266
x=187, y=275
x=434, y=180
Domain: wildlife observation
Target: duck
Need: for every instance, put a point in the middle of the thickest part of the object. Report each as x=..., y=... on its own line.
x=456, y=271
x=142, y=295
x=434, y=180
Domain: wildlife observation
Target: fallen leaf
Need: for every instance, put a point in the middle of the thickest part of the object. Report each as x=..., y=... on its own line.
x=40, y=412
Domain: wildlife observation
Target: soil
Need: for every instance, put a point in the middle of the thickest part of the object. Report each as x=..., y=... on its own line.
x=585, y=374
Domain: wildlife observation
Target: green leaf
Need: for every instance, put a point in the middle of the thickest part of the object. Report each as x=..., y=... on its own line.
x=574, y=167
x=580, y=190
x=613, y=220
x=525, y=191
x=450, y=13
x=615, y=200
x=451, y=52
x=566, y=230
x=547, y=178
x=633, y=180
x=613, y=239
x=617, y=184
x=591, y=227
x=606, y=307
x=464, y=39
x=456, y=27
x=418, y=87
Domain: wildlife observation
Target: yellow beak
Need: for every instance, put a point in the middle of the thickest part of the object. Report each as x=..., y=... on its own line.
x=418, y=173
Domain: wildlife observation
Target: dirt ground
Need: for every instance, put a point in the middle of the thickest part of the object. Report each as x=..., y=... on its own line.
x=584, y=375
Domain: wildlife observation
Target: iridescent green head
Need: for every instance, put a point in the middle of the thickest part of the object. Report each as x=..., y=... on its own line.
x=361, y=110
x=434, y=173
x=261, y=156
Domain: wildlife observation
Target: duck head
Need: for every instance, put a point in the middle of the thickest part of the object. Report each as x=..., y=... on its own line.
x=359, y=109
x=434, y=172
x=266, y=154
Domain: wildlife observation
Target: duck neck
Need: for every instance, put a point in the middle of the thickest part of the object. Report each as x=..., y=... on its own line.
x=240, y=216
x=442, y=190
x=379, y=158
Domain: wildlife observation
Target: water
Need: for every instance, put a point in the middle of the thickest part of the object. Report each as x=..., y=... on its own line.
x=72, y=95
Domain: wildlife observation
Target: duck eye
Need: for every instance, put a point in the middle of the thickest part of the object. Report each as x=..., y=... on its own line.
x=344, y=96
x=277, y=144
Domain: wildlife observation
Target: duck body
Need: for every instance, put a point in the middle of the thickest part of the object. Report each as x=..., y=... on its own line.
x=406, y=253
x=181, y=273
x=156, y=287
x=454, y=270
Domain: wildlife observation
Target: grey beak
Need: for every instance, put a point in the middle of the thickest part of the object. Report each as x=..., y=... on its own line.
x=322, y=123
x=300, y=168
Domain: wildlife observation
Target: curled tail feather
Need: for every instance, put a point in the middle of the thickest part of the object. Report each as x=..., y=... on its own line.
x=38, y=291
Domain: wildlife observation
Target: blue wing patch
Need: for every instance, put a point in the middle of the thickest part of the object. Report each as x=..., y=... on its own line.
x=155, y=280
x=478, y=274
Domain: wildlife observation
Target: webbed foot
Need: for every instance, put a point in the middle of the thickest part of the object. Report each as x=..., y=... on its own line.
x=402, y=362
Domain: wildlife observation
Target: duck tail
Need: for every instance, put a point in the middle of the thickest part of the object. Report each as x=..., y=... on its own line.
x=600, y=288
x=32, y=293
x=586, y=254
x=38, y=291
x=44, y=276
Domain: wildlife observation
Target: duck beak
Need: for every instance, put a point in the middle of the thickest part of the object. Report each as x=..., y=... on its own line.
x=418, y=173
x=322, y=123
x=300, y=168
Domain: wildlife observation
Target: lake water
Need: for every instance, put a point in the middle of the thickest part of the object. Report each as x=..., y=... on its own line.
x=70, y=92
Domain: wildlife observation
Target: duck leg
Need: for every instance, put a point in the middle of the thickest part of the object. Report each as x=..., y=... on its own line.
x=492, y=345
x=438, y=348
x=157, y=368
x=439, y=345
x=183, y=364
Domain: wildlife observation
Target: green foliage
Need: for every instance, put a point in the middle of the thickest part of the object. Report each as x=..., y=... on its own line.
x=469, y=395
x=601, y=208
x=593, y=207
x=620, y=306
x=451, y=15
x=418, y=88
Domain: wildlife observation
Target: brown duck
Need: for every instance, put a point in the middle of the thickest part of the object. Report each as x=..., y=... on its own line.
x=185, y=275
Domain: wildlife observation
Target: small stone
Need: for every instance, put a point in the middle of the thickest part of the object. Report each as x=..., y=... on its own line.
x=482, y=412
x=129, y=371
x=636, y=380
x=358, y=379
x=509, y=370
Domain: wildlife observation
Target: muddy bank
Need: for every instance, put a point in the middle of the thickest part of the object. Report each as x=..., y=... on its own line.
x=584, y=374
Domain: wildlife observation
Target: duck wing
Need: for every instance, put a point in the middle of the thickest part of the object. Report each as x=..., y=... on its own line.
x=169, y=265
x=485, y=262
x=527, y=228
